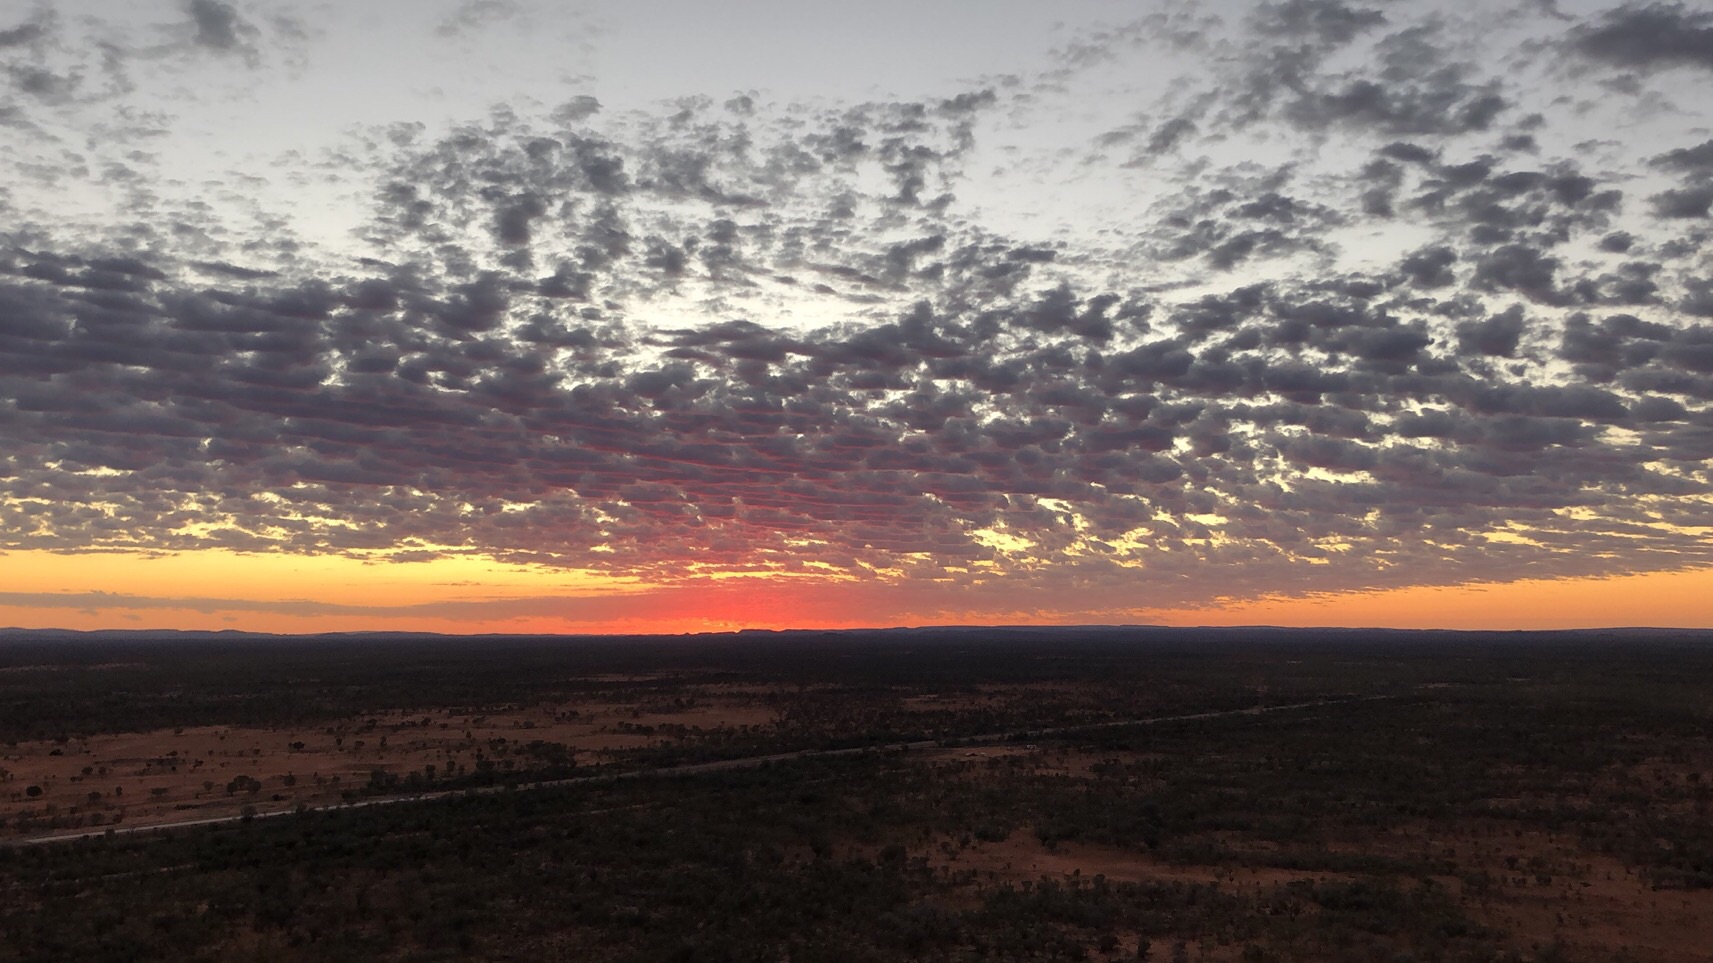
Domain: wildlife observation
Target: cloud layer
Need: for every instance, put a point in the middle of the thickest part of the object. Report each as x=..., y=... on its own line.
x=1379, y=313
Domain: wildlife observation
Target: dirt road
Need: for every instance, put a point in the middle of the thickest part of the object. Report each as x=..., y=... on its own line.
x=747, y=762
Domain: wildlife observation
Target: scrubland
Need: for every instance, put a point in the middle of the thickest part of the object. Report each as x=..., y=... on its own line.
x=1444, y=799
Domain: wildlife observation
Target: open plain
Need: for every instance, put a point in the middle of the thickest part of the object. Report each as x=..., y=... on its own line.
x=1285, y=796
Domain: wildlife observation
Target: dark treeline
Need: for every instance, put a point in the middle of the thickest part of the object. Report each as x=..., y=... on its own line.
x=54, y=688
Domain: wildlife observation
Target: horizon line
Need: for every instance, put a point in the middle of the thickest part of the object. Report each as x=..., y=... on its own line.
x=9, y=633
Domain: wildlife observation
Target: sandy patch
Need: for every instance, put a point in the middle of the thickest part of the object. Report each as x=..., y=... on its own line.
x=1022, y=856
x=169, y=775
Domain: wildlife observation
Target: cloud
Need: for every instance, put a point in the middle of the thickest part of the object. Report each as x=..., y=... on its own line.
x=774, y=342
x=218, y=26
x=1697, y=159
x=1327, y=21
x=1648, y=37
x=1498, y=335
x=23, y=34
x=1691, y=202
x=475, y=15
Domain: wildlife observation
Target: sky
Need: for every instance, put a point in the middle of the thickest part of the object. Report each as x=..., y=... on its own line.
x=529, y=316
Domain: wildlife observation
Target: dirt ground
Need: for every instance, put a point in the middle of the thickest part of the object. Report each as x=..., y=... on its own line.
x=1021, y=856
x=1545, y=888
x=1542, y=887
x=147, y=778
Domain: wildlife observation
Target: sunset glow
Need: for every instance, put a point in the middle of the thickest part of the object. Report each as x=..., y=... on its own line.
x=271, y=593
x=1294, y=313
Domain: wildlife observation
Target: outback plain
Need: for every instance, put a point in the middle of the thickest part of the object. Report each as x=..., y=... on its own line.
x=909, y=795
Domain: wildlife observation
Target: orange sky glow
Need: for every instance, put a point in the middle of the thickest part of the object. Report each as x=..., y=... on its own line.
x=738, y=338
x=286, y=594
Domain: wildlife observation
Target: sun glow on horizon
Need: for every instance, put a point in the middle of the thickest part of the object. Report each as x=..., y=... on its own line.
x=1167, y=325
x=472, y=595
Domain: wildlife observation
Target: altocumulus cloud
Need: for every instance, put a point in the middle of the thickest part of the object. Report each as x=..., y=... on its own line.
x=1424, y=328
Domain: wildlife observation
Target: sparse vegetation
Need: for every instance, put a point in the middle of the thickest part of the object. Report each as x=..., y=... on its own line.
x=1523, y=802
